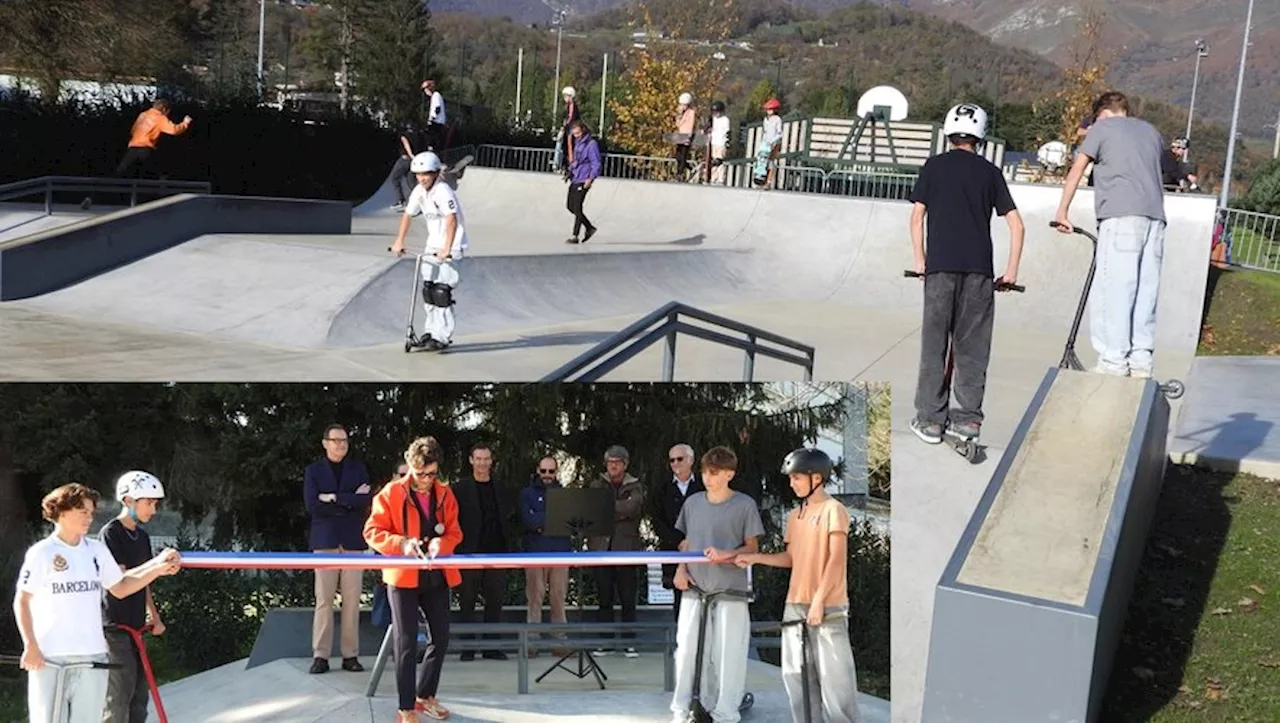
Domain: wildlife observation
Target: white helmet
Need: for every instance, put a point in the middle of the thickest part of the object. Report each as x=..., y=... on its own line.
x=425, y=162
x=966, y=119
x=686, y=99
x=569, y=91
x=139, y=485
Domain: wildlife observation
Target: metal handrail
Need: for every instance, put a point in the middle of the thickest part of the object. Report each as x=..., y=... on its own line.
x=48, y=185
x=643, y=333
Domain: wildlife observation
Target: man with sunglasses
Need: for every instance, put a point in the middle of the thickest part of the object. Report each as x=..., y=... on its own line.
x=668, y=500
x=337, y=494
x=539, y=581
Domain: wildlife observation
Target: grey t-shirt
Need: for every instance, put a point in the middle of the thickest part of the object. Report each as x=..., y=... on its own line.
x=726, y=526
x=1126, y=173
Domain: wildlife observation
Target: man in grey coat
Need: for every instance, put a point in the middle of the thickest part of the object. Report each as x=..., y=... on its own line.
x=628, y=508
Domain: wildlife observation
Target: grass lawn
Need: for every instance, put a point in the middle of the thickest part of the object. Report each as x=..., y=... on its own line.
x=1243, y=314
x=1202, y=638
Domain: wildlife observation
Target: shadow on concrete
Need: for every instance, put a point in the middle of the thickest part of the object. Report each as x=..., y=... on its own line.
x=571, y=338
x=1170, y=595
x=696, y=240
x=7, y=229
x=1233, y=441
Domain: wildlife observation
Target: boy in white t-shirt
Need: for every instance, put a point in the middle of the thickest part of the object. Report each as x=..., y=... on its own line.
x=58, y=606
x=719, y=142
x=770, y=143
x=445, y=249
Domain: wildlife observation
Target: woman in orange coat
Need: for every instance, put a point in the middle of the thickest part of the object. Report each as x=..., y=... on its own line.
x=417, y=515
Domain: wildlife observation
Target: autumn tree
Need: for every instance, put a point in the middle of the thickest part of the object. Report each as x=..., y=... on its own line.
x=676, y=59
x=1086, y=76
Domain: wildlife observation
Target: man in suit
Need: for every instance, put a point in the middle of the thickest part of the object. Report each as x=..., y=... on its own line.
x=485, y=515
x=337, y=494
x=668, y=499
x=619, y=581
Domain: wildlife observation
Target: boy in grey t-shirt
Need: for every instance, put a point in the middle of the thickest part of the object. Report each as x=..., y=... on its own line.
x=722, y=524
x=1129, y=205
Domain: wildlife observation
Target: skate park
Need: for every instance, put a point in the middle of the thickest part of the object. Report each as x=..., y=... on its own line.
x=823, y=271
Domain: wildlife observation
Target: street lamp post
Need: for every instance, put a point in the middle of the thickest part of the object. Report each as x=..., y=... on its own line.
x=1202, y=51
x=558, y=19
x=262, y=33
x=1235, y=110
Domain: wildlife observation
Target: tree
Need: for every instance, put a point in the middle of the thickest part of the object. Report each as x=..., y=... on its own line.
x=1086, y=76
x=1264, y=192
x=393, y=56
x=671, y=63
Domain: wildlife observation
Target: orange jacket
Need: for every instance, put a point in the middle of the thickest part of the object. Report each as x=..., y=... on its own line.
x=148, y=127
x=394, y=519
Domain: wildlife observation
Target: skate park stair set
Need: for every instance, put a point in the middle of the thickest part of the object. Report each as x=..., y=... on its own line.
x=1029, y=611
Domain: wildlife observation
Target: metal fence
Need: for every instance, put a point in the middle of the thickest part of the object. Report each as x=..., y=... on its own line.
x=1252, y=239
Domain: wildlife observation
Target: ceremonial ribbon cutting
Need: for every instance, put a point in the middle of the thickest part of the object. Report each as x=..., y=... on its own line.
x=322, y=561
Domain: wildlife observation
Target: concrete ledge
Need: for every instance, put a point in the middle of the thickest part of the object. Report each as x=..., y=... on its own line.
x=44, y=262
x=1038, y=587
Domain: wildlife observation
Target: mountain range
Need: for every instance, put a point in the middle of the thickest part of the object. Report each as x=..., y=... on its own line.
x=1151, y=42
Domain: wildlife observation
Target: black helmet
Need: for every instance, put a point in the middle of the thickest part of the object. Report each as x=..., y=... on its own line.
x=808, y=461
x=717, y=106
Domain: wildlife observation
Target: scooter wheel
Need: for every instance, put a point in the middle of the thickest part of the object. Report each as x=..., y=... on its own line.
x=1173, y=389
x=748, y=700
x=408, y=347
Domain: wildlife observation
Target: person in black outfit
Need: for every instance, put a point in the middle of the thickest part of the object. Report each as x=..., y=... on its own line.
x=1177, y=174
x=958, y=190
x=413, y=140
x=668, y=499
x=483, y=513
x=139, y=494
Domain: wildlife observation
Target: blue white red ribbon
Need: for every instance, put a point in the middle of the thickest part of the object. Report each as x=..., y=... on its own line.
x=352, y=561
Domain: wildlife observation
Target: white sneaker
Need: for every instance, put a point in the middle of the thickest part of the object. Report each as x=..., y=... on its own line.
x=1140, y=373
x=631, y=653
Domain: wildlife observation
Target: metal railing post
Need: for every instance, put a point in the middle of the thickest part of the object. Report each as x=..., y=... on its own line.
x=808, y=368
x=133, y=194
x=668, y=662
x=48, y=197
x=379, y=665
x=522, y=662
x=749, y=363
x=669, y=355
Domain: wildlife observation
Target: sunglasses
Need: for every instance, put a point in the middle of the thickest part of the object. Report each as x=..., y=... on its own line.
x=546, y=471
x=673, y=460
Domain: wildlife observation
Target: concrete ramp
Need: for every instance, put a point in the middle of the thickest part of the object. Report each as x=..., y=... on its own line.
x=1029, y=611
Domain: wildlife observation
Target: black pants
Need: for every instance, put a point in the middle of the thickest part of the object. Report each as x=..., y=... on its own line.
x=492, y=583
x=405, y=605
x=127, y=689
x=436, y=135
x=682, y=160
x=669, y=574
x=136, y=162
x=577, y=195
x=402, y=179
x=617, y=583
x=959, y=309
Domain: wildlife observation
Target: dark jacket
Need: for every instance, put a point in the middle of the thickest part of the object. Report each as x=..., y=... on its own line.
x=471, y=516
x=533, y=515
x=667, y=502
x=628, y=508
x=339, y=523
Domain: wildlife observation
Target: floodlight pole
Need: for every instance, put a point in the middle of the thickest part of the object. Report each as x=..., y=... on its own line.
x=1235, y=111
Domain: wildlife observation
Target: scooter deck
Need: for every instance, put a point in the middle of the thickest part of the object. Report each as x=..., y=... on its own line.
x=964, y=446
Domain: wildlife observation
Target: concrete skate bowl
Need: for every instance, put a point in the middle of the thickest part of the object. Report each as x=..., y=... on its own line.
x=710, y=247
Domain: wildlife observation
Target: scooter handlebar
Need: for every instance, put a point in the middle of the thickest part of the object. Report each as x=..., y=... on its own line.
x=1000, y=285
x=1076, y=229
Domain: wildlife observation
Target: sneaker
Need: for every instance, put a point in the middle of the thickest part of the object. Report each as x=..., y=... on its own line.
x=319, y=665
x=968, y=430
x=1140, y=373
x=1110, y=371
x=590, y=232
x=494, y=655
x=86, y=203
x=602, y=651
x=467, y=656
x=397, y=207
x=929, y=432
x=631, y=653
x=571, y=240
x=352, y=665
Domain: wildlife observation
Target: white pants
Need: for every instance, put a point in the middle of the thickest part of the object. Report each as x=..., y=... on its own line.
x=724, y=657
x=1122, y=303
x=439, y=322
x=833, y=679
x=718, y=173
x=84, y=690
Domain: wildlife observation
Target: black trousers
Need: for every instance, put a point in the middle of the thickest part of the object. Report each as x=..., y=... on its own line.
x=492, y=583
x=436, y=135
x=959, y=310
x=617, y=583
x=127, y=689
x=402, y=179
x=682, y=160
x=577, y=195
x=136, y=162
x=405, y=606
x=669, y=573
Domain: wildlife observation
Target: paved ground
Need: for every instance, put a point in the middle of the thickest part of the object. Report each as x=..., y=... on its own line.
x=481, y=690
x=21, y=219
x=825, y=271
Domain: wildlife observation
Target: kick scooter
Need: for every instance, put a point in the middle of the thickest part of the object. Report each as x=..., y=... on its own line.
x=60, y=687
x=697, y=712
x=806, y=663
x=1171, y=389
x=966, y=447
x=136, y=634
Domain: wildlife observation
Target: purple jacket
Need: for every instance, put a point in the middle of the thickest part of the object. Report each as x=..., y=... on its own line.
x=586, y=159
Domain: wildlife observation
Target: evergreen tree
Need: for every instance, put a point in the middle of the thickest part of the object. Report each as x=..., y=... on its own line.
x=393, y=55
